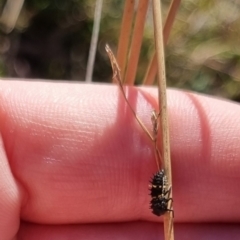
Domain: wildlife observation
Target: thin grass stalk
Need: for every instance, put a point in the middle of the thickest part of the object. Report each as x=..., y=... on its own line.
x=117, y=79
x=10, y=14
x=163, y=119
x=136, y=42
x=152, y=68
x=125, y=34
x=94, y=40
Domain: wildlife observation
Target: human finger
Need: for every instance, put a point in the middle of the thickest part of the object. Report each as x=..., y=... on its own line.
x=80, y=156
x=130, y=230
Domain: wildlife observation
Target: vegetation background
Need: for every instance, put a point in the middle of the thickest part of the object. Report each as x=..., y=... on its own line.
x=51, y=40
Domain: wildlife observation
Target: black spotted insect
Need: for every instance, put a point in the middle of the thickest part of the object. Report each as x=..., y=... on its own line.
x=159, y=192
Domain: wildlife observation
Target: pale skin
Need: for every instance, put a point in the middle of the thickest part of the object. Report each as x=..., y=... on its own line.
x=73, y=154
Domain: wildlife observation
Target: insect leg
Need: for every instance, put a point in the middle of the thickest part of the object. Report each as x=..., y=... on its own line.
x=168, y=192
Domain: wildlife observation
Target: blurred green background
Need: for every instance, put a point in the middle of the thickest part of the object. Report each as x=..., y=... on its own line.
x=51, y=40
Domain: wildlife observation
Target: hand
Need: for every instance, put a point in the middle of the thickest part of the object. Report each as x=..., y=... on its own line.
x=73, y=154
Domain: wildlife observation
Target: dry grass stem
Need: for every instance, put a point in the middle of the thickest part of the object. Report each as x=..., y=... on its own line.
x=117, y=78
x=163, y=119
x=158, y=156
x=125, y=35
x=10, y=14
x=94, y=40
x=152, y=68
x=154, y=118
x=136, y=42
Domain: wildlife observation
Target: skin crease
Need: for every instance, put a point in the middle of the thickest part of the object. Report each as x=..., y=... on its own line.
x=73, y=154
